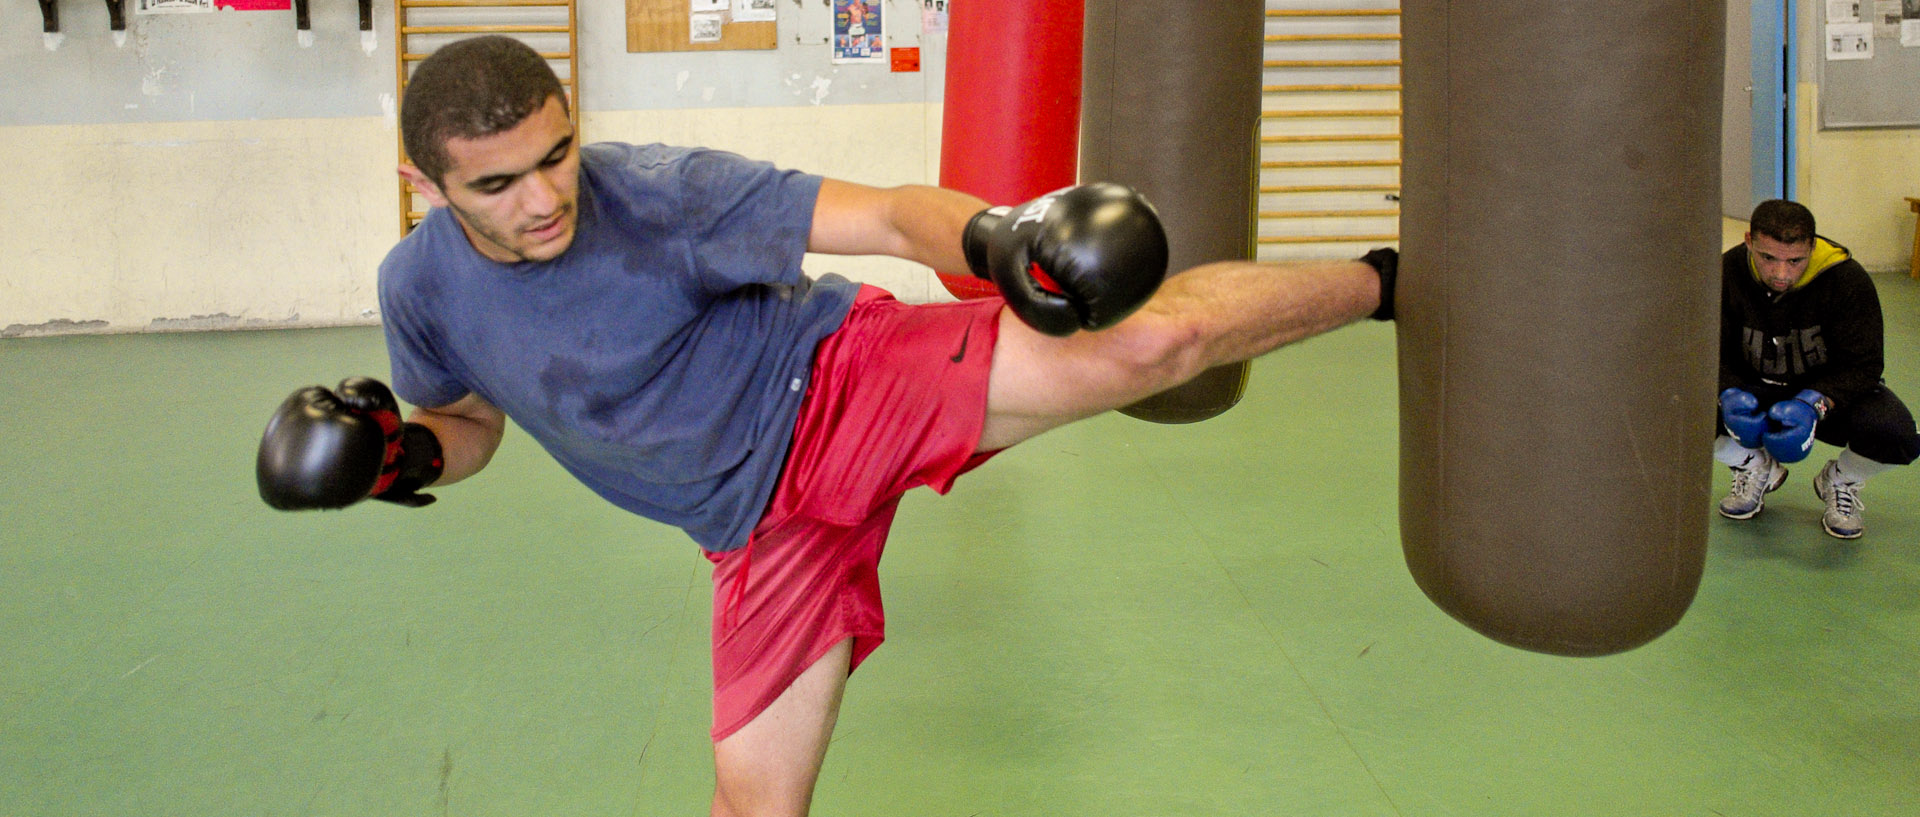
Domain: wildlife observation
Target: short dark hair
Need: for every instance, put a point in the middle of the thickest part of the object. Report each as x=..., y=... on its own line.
x=469, y=89
x=1788, y=222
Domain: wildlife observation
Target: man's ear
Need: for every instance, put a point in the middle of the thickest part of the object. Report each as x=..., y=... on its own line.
x=423, y=185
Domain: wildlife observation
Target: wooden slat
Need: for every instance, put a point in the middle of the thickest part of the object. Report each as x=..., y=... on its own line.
x=416, y=56
x=1324, y=113
x=1305, y=138
x=499, y=29
x=1329, y=38
x=1293, y=89
x=1333, y=12
x=565, y=82
x=573, y=70
x=1329, y=188
x=1327, y=239
x=1327, y=213
x=1277, y=165
x=1331, y=64
x=399, y=87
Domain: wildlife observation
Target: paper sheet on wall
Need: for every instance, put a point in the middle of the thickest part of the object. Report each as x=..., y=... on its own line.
x=1886, y=19
x=172, y=6
x=700, y=6
x=859, y=31
x=1843, y=11
x=933, y=16
x=705, y=27
x=1910, y=23
x=1849, y=41
x=753, y=11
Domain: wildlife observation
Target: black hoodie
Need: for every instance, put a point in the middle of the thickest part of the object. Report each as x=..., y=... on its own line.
x=1824, y=333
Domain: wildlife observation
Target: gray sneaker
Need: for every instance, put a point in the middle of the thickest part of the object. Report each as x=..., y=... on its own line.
x=1751, y=484
x=1842, y=519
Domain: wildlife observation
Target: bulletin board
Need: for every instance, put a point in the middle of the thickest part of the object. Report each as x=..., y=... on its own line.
x=1881, y=92
x=663, y=25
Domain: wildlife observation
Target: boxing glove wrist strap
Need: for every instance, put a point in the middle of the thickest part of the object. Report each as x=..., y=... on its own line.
x=1385, y=261
x=418, y=463
x=973, y=239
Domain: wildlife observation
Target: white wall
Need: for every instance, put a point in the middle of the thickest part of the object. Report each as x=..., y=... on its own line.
x=873, y=144
x=194, y=225
x=211, y=173
x=278, y=223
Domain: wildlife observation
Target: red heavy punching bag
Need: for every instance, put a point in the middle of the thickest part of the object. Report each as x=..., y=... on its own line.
x=1557, y=311
x=1010, y=131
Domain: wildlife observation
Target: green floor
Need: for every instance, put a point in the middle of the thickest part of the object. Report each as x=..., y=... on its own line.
x=1114, y=619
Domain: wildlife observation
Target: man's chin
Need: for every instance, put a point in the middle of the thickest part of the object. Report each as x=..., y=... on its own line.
x=550, y=249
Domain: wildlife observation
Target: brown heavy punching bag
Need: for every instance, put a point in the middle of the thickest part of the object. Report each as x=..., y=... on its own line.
x=1170, y=105
x=1557, y=313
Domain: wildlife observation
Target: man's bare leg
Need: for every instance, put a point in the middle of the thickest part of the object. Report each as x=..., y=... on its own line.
x=1209, y=315
x=769, y=767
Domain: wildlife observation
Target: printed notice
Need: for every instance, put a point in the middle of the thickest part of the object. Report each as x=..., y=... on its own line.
x=1850, y=41
x=753, y=11
x=172, y=6
x=706, y=27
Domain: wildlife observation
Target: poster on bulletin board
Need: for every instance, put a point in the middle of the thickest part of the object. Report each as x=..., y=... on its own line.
x=859, y=31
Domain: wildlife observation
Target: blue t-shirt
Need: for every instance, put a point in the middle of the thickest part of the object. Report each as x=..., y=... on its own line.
x=662, y=358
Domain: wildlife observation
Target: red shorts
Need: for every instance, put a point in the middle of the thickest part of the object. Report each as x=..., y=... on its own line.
x=897, y=400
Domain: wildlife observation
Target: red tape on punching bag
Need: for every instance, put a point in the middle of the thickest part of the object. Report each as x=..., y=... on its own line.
x=1011, y=129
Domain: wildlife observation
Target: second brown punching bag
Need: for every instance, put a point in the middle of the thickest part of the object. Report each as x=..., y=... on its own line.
x=1170, y=106
x=1557, y=313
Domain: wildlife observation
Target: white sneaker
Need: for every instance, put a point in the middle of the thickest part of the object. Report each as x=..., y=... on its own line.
x=1751, y=484
x=1842, y=519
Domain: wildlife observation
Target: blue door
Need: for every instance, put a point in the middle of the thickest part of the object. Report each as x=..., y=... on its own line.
x=1773, y=81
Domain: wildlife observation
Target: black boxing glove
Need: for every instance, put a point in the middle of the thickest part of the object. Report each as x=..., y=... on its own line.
x=327, y=450
x=1077, y=258
x=1386, y=261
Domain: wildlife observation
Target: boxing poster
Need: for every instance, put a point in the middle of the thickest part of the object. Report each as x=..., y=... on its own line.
x=859, y=32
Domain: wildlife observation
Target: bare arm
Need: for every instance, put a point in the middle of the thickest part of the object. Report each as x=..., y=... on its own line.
x=469, y=430
x=915, y=222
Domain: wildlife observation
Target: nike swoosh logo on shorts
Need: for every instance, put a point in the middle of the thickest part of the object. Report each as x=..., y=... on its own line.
x=962, y=354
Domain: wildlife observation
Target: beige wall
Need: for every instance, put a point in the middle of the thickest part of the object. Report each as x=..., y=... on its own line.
x=193, y=225
x=1856, y=181
x=272, y=223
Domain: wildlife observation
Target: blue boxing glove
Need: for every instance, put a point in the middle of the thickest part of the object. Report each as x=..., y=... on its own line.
x=1790, y=425
x=1740, y=412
